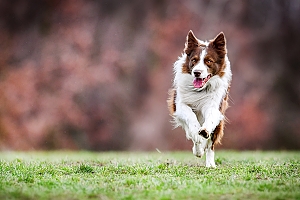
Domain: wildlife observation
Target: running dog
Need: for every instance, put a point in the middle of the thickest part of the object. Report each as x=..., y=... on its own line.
x=199, y=96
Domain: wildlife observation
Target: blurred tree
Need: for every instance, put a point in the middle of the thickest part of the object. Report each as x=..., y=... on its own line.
x=95, y=74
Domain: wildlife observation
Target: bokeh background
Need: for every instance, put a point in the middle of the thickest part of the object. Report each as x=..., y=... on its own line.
x=94, y=75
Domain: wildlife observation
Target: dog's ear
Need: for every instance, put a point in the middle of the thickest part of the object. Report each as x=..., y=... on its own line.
x=191, y=43
x=219, y=43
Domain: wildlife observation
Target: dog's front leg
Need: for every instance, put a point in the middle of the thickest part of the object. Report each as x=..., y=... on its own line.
x=212, y=118
x=189, y=121
x=210, y=155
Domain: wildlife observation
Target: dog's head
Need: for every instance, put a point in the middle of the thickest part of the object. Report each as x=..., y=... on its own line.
x=204, y=59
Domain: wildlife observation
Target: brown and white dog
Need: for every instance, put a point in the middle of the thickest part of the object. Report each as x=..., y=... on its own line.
x=198, y=98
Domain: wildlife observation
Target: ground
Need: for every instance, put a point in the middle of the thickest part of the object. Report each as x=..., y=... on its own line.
x=149, y=175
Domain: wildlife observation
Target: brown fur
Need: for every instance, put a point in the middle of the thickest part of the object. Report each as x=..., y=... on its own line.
x=219, y=130
x=193, y=50
x=191, y=43
x=171, y=101
x=216, y=52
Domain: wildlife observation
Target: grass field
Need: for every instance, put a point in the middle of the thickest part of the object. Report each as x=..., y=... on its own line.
x=128, y=175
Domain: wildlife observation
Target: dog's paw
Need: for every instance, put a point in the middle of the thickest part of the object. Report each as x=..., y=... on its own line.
x=204, y=133
x=197, y=150
x=210, y=164
x=193, y=132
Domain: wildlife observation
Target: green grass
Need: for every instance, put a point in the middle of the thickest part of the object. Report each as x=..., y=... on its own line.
x=177, y=175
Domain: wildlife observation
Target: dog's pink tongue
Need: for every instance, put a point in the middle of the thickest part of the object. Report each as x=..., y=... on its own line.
x=198, y=82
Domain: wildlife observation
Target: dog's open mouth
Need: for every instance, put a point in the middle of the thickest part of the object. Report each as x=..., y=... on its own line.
x=200, y=82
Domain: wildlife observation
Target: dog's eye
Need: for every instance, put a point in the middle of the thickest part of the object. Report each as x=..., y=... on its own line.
x=208, y=61
x=193, y=61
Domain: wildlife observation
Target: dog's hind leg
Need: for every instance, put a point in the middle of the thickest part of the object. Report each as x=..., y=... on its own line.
x=210, y=155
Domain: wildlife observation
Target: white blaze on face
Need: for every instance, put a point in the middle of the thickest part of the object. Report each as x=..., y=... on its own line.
x=200, y=72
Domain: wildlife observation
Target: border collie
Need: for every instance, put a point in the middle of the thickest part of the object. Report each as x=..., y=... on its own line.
x=198, y=99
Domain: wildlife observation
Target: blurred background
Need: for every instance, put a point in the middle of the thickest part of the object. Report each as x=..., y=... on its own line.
x=94, y=75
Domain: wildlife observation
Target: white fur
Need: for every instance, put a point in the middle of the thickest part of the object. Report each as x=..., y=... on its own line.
x=201, y=66
x=198, y=109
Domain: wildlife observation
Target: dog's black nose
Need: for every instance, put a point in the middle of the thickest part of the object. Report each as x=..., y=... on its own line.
x=197, y=74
